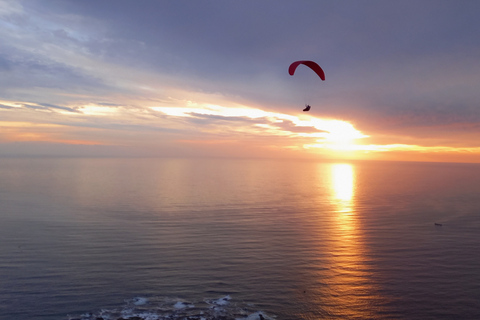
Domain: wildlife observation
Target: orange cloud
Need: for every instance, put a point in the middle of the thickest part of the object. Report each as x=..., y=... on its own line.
x=38, y=132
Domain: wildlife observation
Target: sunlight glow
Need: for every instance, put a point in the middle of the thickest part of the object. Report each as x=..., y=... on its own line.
x=412, y=147
x=38, y=132
x=21, y=124
x=210, y=109
x=97, y=110
x=343, y=181
x=330, y=133
x=11, y=104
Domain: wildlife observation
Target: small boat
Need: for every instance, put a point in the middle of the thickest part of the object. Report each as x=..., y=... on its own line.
x=438, y=224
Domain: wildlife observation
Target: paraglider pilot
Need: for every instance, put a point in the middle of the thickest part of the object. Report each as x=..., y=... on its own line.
x=312, y=65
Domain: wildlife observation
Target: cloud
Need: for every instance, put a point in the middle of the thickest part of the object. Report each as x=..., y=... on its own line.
x=396, y=71
x=198, y=118
x=34, y=106
x=24, y=71
x=290, y=126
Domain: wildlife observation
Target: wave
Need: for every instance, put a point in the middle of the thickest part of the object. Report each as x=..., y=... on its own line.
x=163, y=308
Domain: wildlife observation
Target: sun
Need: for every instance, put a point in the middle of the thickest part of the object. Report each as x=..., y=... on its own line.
x=342, y=134
x=341, y=140
x=338, y=135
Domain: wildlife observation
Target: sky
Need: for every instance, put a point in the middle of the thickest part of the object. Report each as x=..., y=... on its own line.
x=207, y=78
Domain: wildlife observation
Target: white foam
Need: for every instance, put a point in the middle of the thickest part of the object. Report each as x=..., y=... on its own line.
x=157, y=308
x=148, y=316
x=222, y=301
x=140, y=301
x=254, y=316
x=182, y=305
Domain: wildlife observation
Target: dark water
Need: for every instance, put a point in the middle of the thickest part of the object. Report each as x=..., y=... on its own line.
x=206, y=239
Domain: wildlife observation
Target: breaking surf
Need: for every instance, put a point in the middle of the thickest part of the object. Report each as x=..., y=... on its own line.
x=163, y=308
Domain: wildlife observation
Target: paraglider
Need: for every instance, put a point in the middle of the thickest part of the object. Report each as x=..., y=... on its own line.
x=312, y=65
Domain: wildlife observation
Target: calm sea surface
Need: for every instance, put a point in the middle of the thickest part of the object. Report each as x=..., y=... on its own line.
x=206, y=239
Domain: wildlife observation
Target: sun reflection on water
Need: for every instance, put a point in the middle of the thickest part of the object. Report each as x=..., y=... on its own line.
x=343, y=183
x=345, y=286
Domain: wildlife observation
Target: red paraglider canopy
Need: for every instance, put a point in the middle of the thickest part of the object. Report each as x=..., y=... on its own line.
x=312, y=65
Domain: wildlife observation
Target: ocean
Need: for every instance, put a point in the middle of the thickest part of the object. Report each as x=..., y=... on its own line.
x=238, y=239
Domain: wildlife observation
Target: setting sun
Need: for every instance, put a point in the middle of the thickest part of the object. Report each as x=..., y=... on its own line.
x=338, y=136
x=342, y=136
